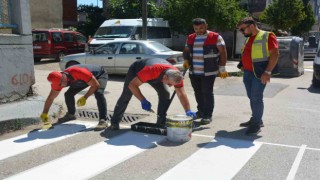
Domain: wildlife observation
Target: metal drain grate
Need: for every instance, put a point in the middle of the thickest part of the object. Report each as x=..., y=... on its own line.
x=95, y=115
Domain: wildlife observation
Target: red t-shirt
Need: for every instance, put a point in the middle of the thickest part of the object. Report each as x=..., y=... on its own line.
x=78, y=74
x=246, y=56
x=153, y=72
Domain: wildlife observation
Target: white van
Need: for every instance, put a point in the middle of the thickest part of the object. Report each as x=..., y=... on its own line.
x=124, y=29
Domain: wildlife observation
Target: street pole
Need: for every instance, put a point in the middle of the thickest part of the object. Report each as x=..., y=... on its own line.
x=144, y=20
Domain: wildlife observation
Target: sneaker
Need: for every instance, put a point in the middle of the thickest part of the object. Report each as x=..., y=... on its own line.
x=114, y=127
x=253, y=130
x=248, y=123
x=101, y=125
x=205, y=121
x=67, y=117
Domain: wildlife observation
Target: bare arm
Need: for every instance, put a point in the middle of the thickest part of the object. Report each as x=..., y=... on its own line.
x=182, y=95
x=273, y=60
x=94, y=85
x=223, y=55
x=134, y=88
x=53, y=94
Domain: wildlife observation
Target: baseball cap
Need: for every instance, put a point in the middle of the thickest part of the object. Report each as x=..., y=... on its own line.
x=55, y=78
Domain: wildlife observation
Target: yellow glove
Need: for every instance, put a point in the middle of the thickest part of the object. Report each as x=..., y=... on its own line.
x=81, y=101
x=222, y=72
x=46, y=124
x=186, y=64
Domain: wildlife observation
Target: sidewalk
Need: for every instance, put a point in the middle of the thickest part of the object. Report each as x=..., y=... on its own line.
x=28, y=110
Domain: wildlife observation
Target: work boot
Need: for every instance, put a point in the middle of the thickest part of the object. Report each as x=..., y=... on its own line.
x=67, y=117
x=101, y=125
x=114, y=127
x=248, y=123
x=205, y=121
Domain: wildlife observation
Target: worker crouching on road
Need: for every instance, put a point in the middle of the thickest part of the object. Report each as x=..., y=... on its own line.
x=78, y=77
x=158, y=73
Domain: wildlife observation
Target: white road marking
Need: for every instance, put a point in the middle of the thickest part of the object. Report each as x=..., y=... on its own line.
x=296, y=163
x=13, y=146
x=220, y=159
x=311, y=70
x=91, y=161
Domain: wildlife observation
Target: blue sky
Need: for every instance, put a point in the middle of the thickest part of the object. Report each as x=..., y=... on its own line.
x=90, y=2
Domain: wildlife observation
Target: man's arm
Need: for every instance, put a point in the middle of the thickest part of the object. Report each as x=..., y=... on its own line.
x=223, y=55
x=273, y=60
x=134, y=88
x=182, y=95
x=94, y=85
x=53, y=94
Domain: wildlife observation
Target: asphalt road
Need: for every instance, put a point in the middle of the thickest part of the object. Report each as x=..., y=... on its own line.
x=287, y=148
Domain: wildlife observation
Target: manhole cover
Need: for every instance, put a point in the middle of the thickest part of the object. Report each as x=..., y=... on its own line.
x=128, y=118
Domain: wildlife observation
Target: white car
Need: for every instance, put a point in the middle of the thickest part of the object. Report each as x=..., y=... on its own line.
x=117, y=56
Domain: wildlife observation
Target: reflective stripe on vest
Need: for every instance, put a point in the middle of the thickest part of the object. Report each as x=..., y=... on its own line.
x=259, y=51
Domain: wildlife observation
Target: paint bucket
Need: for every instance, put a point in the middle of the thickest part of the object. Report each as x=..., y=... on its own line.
x=179, y=128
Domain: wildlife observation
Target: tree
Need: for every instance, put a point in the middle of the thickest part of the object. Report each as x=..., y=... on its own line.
x=306, y=24
x=130, y=9
x=220, y=15
x=93, y=21
x=283, y=14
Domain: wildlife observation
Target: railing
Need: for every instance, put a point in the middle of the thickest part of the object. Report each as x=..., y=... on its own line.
x=5, y=17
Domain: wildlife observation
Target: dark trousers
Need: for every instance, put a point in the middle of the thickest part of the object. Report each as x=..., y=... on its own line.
x=203, y=91
x=99, y=95
x=123, y=101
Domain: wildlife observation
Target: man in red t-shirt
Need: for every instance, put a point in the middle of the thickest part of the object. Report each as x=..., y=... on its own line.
x=259, y=59
x=156, y=72
x=78, y=77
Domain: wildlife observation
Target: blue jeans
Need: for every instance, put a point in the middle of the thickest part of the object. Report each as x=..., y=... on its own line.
x=254, y=89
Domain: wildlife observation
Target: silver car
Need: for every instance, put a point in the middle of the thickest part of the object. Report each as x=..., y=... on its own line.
x=117, y=56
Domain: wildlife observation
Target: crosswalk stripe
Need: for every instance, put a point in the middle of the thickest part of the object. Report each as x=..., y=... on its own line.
x=94, y=159
x=32, y=140
x=220, y=159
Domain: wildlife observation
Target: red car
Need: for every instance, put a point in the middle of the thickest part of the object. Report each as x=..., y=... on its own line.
x=56, y=43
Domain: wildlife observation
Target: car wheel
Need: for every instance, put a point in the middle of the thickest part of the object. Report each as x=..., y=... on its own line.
x=60, y=56
x=71, y=63
x=37, y=59
x=315, y=81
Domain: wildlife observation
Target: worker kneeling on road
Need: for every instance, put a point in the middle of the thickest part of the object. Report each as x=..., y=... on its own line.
x=78, y=77
x=158, y=73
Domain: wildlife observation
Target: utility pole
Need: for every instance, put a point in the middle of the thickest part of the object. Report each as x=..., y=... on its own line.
x=144, y=20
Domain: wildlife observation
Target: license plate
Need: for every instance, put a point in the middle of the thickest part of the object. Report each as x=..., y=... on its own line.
x=36, y=47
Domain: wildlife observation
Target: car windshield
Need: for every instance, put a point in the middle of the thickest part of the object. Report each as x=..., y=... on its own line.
x=114, y=32
x=39, y=36
x=158, y=47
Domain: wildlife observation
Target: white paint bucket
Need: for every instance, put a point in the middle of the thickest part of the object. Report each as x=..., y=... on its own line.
x=179, y=128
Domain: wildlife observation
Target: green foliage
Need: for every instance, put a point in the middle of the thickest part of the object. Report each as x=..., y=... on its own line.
x=130, y=9
x=284, y=14
x=306, y=24
x=93, y=21
x=220, y=14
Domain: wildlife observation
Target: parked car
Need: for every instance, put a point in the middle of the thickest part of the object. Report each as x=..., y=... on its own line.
x=316, y=69
x=56, y=43
x=117, y=56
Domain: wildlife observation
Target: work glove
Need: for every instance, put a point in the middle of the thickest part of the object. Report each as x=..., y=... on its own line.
x=146, y=105
x=46, y=124
x=222, y=72
x=192, y=114
x=186, y=64
x=81, y=101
